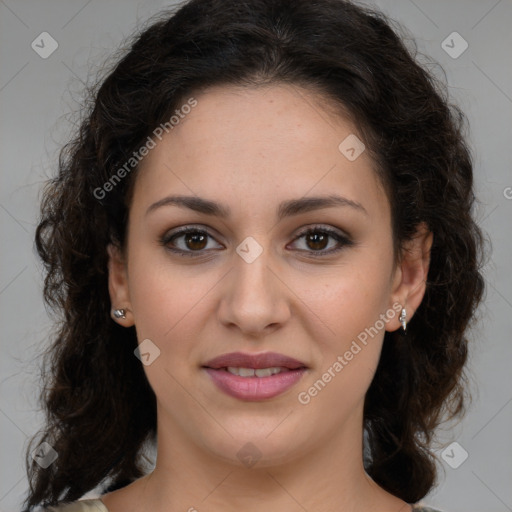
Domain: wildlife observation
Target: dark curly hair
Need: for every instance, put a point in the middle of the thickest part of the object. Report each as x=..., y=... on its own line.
x=100, y=408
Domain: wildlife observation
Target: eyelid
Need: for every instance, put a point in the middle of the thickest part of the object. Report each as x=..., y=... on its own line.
x=324, y=228
x=183, y=230
x=342, y=237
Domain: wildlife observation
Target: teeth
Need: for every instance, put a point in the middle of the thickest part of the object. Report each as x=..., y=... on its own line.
x=245, y=372
x=260, y=372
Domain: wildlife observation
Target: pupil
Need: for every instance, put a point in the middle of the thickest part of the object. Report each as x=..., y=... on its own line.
x=318, y=239
x=192, y=240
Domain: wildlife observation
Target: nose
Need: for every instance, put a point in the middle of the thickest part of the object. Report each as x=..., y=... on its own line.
x=254, y=298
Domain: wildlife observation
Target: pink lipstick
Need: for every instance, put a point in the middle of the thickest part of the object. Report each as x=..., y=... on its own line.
x=254, y=377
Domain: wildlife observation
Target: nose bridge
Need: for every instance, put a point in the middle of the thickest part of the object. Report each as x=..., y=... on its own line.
x=252, y=264
x=252, y=268
x=254, y=298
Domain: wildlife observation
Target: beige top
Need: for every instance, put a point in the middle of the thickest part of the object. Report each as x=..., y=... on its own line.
x=96, y=505
x=91, y=505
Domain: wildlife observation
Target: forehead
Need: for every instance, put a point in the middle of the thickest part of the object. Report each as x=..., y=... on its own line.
x=276, y=141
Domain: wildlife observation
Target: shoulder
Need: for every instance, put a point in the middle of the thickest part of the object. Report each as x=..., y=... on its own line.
x=91, y=505
x=421, y=508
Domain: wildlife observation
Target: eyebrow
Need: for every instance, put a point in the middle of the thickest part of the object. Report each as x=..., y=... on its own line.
x=286, y=208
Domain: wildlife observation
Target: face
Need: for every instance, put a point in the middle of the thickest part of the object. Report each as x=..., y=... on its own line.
x=277, y=272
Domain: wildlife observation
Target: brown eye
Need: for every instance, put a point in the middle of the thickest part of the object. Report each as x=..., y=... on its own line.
x=187, y=241
x=317, y=240
x=195, y=241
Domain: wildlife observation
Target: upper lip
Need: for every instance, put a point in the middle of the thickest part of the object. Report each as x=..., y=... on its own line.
x=243, y=360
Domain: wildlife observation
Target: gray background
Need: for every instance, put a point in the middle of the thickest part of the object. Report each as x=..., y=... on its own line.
x=36, y=97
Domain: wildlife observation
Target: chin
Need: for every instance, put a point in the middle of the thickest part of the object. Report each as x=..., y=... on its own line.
x=266, y=446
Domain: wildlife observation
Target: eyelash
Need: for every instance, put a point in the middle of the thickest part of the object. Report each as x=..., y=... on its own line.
x=343, y=240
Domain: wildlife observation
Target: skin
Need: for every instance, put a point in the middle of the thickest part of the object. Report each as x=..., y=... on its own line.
x=250, y=149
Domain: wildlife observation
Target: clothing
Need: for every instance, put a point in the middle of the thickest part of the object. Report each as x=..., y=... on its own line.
x=92, y=505
x=96, y=505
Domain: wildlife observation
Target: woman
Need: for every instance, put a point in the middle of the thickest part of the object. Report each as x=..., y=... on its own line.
x=262, y=245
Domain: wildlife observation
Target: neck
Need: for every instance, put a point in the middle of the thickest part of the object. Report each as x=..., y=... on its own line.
x=330, y=477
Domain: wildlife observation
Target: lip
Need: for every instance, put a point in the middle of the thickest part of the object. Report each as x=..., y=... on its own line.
x=254, y=388
x=256, y=361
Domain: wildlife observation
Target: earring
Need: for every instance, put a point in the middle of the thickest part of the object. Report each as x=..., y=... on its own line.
x=119, y=313
x=403, y=319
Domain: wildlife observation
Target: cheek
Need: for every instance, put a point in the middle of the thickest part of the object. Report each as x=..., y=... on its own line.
x=350, y=352
x=163, y=293
x=351, y=300
x=172, y=307
x=168, y=308
x=352, y=306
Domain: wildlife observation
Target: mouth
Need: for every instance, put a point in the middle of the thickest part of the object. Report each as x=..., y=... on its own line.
x=255, y=372
x=254, y=377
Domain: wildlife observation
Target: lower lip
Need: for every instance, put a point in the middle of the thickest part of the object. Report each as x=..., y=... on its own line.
x=255, y=388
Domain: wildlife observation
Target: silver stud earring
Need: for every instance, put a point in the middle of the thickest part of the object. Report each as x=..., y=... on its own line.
x=120, y=313
x=403, y=319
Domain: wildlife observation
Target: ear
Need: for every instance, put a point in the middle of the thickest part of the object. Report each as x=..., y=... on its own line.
x=410, y=278
x=118, y=286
